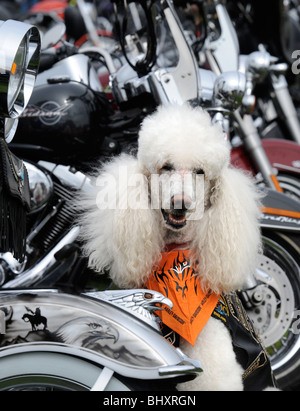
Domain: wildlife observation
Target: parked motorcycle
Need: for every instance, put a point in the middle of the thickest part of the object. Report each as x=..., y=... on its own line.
x=275, y=159
x=279, y=32
x=61, y=342
x=109, y=341
x=62, y=133
x=86, y=21
x=46, y=7
x=70, y=119
x=274, y=292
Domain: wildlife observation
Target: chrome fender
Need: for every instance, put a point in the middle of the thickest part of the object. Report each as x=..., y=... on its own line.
x=109, y=330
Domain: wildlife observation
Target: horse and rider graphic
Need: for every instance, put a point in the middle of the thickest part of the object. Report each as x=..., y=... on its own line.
x=35, y=319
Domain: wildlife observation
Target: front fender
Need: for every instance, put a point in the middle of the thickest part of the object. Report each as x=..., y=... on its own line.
x=97, y=329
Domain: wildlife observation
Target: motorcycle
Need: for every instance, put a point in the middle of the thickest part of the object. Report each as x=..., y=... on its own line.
x=61, y=134
x=280, y=32
x=273, y=293
x=70, y=119
x=53, y=7
x=50, y=340
x=80, y=19
x=275, y=159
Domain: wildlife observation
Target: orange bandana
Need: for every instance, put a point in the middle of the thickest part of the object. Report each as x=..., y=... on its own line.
x=177, y=280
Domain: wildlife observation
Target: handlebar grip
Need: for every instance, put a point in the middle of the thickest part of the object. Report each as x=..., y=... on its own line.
x=47, y=61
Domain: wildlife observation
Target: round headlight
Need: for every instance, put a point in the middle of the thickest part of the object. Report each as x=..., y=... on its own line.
x=19, y=63
x=229, y=90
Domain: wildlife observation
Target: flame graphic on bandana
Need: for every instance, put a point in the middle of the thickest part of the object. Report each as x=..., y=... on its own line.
x=177, y=279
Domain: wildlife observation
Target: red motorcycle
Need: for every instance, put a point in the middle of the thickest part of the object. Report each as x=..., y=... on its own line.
x=79, y=25
x=50, y=6
x=282, y=155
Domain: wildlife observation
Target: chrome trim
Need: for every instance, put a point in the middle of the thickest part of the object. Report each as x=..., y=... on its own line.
x=77, y=68
x=14, y=265
x=177, y=84
x=140, y=303
x=2, y=323
x=41, y=187
x=187, y=366
x=67, y=176
x=29, y=277
x=287, y=168
x=229, y=90
x=19, y=63
x=103, y=380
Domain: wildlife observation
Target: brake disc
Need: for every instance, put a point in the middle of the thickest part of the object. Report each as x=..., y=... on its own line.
x=273, y=303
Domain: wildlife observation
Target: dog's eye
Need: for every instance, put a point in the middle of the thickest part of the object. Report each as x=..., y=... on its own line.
x=167, y=167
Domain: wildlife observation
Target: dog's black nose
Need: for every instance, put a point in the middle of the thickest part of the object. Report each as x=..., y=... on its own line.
x=181, y=202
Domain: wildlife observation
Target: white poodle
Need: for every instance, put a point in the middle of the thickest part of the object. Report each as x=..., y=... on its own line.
x=180, y=194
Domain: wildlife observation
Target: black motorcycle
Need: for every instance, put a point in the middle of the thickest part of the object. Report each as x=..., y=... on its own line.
x=138, y=86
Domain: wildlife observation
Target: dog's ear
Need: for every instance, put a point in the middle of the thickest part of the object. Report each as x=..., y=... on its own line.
x=118, y=225
x=228, y=237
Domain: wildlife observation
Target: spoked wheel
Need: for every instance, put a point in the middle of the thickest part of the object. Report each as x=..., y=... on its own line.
x=48, y=371
x=273, y=303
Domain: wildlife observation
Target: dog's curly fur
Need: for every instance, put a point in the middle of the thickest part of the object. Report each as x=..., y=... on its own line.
x=129, y=241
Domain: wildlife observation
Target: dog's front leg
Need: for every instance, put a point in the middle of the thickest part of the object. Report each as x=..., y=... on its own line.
x=213, y=348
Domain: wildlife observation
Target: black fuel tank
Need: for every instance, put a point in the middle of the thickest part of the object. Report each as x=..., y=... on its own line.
x=65, y=117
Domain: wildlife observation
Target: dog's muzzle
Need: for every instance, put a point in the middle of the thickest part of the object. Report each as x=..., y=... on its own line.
x=180, y=197
x=176, y=216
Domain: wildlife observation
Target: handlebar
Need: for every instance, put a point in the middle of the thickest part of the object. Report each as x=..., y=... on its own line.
x=51, y=56
x=144, y=66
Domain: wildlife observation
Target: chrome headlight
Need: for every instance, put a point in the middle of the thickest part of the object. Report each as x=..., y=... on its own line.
x=19, y=63
x=229, y=90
